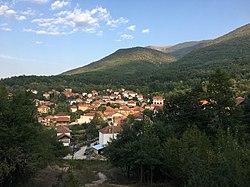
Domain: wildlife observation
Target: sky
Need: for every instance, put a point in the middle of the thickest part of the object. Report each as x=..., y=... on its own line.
x=48, y=37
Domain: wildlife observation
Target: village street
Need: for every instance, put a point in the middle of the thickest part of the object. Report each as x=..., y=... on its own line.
x=79, y=155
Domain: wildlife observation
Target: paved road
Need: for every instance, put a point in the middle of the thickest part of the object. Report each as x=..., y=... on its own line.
x=79, y=155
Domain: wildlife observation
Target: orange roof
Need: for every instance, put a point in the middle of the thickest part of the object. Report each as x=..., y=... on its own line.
x=43, y=106
x=111, y=129
x=158, y=97
x=62, y=119
x=63, y=130
x=89, y=114
x=203, y=102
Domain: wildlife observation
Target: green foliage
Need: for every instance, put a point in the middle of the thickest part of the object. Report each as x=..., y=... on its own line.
x=25, y=145
x=191, y=143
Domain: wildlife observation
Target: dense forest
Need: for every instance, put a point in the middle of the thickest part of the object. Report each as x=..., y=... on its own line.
x=148, y=70
x=25, y=145
x=200, y=138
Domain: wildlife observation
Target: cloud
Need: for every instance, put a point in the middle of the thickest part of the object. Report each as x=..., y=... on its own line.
x=68, y=22
x=7, y=57
x=29, y=12
x=59, y=4
x=35, y=1
x=6, y=29
x=126, y=37
x=115, y=23
x=38, y=43
x=131, y=27
x=10, y=13
x=52, y=32
x=21, y=18
x=145, y=31
x=3, y=9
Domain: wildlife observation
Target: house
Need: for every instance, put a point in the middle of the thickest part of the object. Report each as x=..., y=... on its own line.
x=73, y=108
x=83, y=107
x=131, y=103
x=49, y=120
x=118, y=101
x=46, y=95
x=86, y=118
x=62, y=121
x=61, y=114
x=117, y=118
x=62, y=130
x=94, y=92
x=140, y=97
x=108, y=133
x=125, y=110
x=79, y=100
x=239, y=100
x=113, y=96
x=67, y=90
x=64, y=136
x=158, y=100
x=43, y=109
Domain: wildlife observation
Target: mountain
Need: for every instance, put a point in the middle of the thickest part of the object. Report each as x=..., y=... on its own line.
x=150, y=70
x=229, y=52
x=181, y=49
x=129, y=61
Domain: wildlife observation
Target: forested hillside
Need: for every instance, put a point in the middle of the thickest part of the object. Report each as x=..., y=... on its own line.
x=201, y=138
x=25, y=145
x=152, y=71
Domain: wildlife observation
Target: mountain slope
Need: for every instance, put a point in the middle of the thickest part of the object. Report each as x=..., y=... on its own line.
x=126, y=61
x=181, y=49
x=230, y=53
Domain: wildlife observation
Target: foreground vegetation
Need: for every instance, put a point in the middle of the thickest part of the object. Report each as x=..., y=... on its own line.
x=25, y=145
x=201, y=138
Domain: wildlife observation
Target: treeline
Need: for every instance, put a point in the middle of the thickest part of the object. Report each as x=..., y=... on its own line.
x=200, y=138
x=25, y=145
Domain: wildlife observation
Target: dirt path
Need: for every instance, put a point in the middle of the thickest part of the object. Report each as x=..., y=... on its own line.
x=102, y=179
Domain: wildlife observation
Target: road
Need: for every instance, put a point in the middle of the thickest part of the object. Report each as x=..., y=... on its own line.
x=79, y=155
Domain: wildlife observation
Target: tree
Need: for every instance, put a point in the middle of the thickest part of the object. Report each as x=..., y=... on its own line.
x=25, y=145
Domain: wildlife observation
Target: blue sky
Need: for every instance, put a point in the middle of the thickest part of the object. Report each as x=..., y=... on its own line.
x=48, y=37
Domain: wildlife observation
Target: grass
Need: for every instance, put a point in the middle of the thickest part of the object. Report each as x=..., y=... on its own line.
x=76, y=173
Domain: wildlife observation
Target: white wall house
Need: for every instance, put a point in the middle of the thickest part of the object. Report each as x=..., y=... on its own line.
x=86, y=118
x=108, y=133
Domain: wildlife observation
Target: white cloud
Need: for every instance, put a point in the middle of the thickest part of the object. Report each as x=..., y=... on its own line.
x=35, y=1
x=7, y=57
x=126, y=37
x=3, y=9
x=115, y=23
x=131, y=27
x=6, y=29
x=21, y=18
x=59, y=4
x=10, y=13
x=29, y=12
x=71, y=21
x=47, y=32
x=145, y=31
x=38, y=43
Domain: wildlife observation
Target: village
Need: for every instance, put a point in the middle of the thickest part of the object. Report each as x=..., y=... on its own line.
x=97, y=116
